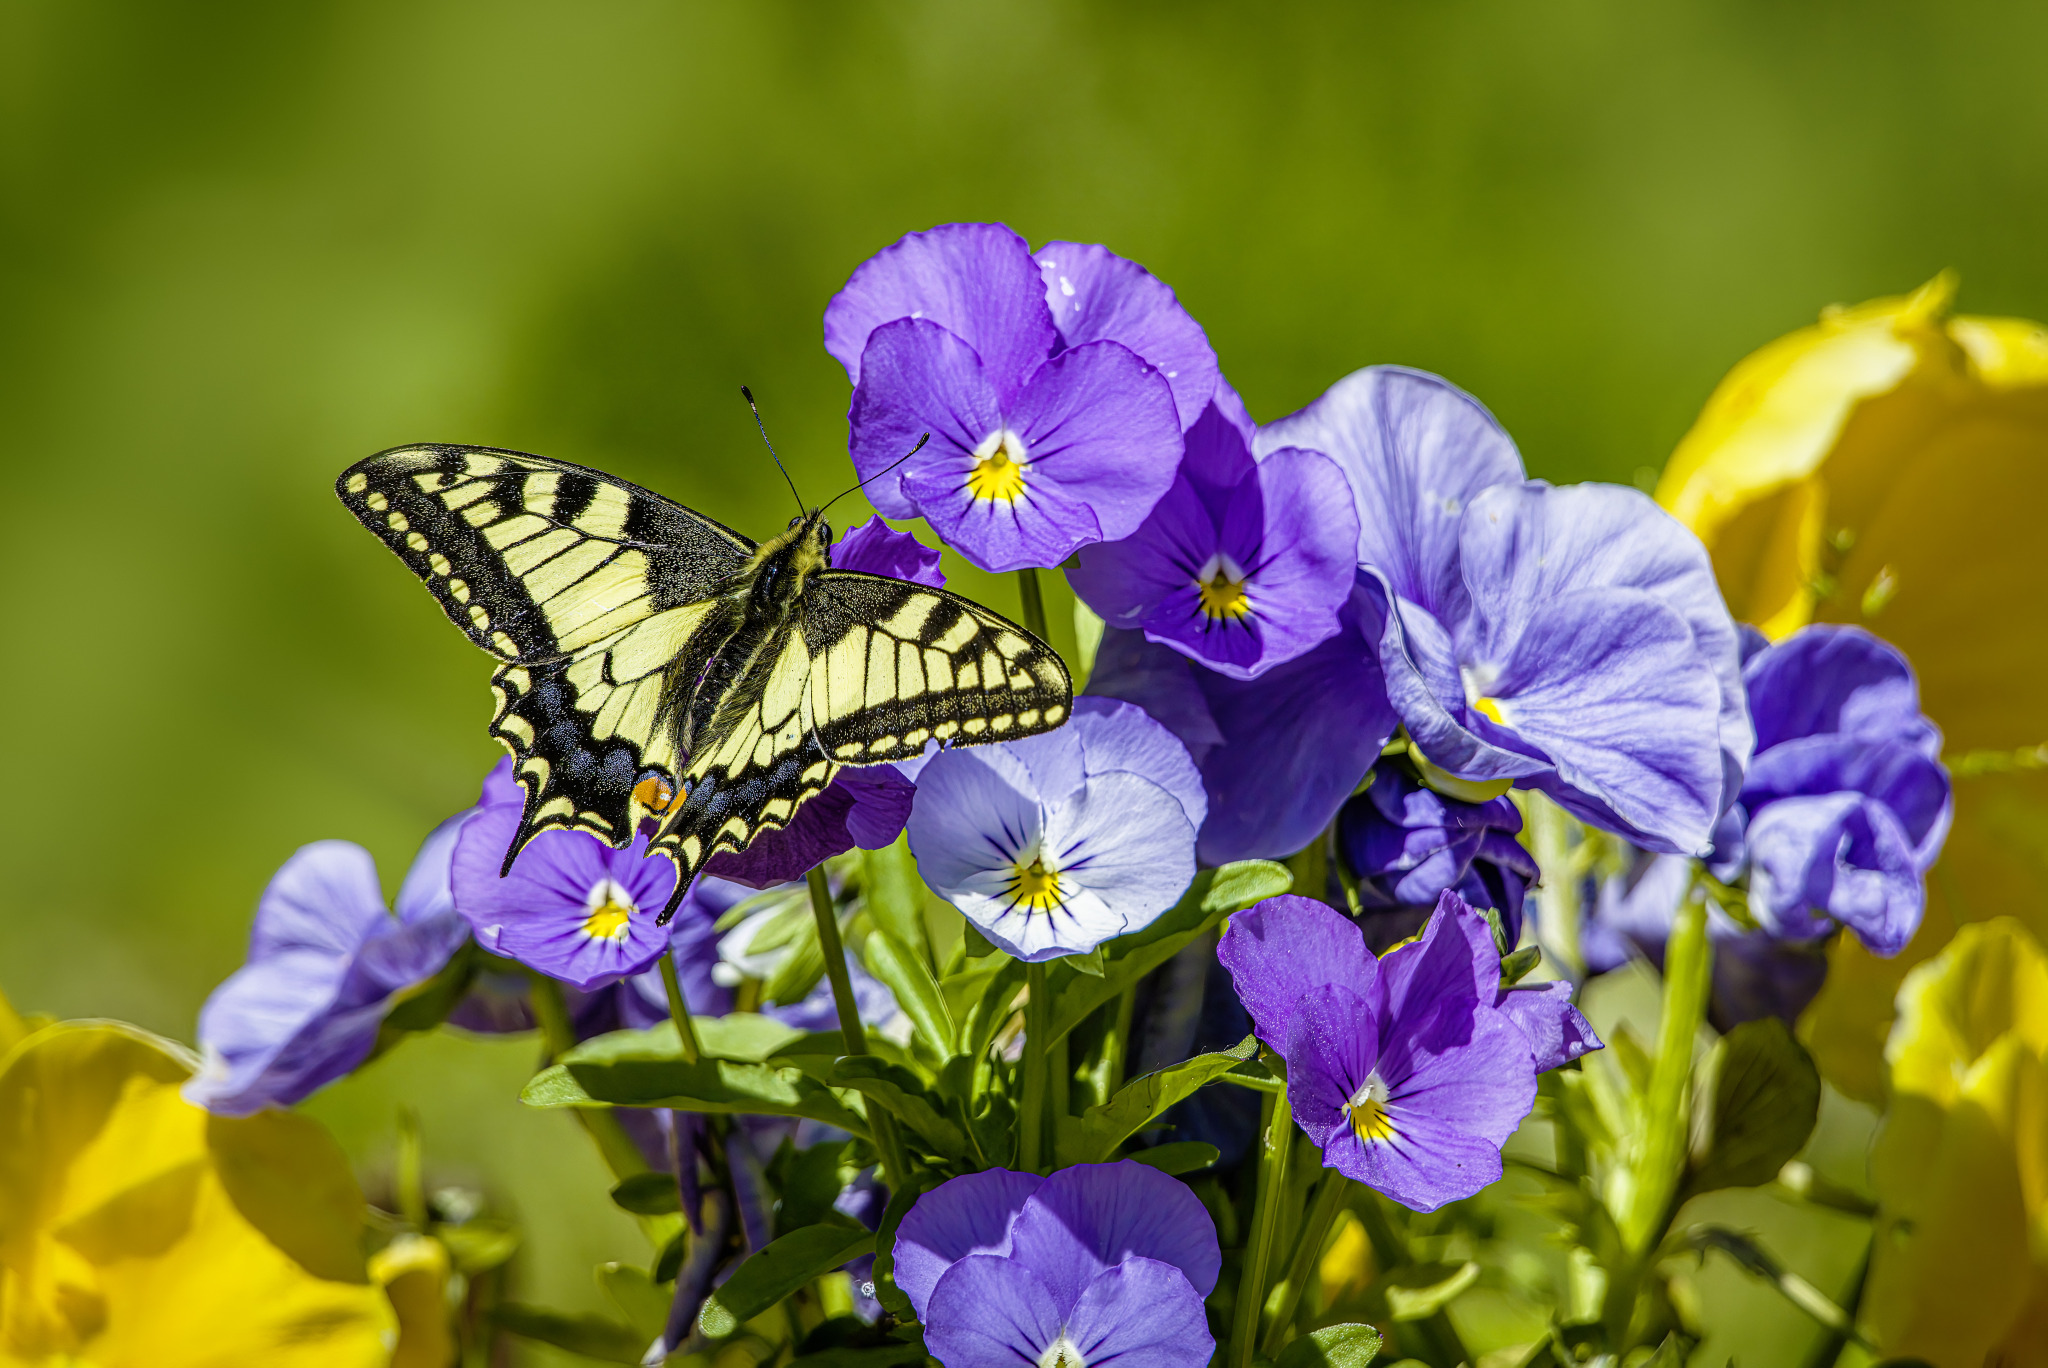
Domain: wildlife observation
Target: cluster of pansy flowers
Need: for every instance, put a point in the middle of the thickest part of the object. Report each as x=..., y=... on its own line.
x=1360, y=625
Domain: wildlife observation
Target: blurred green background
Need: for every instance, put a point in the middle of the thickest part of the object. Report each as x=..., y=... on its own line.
x=242, y=245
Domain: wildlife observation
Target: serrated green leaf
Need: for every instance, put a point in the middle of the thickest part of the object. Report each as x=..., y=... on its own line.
x=1214, y=895
x=898, y=1089
x=644, y=1305
x=1104, y=1127
x=1333, y=1346
x=597, y=1337
x=648, y=1194
x=778, y=1270
x=1765, y=1101
x=1178, y=1157
x=906, y=974
x=709, y=1085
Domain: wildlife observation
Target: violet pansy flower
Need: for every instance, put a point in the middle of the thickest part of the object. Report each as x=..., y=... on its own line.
x=1039, y=443
x=1098, y=1263
x=1053, y=844
x=1278, y=755
x=1569, y=640
x=571, y=907
x=1410, y=1071
x=1242, y=564
x=326, y=962
x=1405, y=844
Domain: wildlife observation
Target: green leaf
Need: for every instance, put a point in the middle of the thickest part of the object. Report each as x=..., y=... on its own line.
x=886, y=1291
x=1181, y=1156
x=709, y=1085
x=875, y=1356
x=898, y=1089
x=1766, y=1098
x=917, y=992
x=1419, y=1291
x=426, y=1005
x=1214, y=895
x=894, y=897
x=1333, y=1346
x=810, y=1180
x=1518, y=966
x=670, y=1261
x=801, y=967
x=643, y=1304
x=778, y=1270
x=597, y=1337
x=1134, y=1105
x=986, y=1013
x=479, y=1245
x=648, y=1194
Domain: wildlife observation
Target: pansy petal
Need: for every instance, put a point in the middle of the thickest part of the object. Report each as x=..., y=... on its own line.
x=1287, y=947
x=426, y=891
x=1557, y=1033
x=1332, y=1047
x=989, y=1312
x=1523, y=546
x=1416, y=449
x=1096, y=295
x=1423, y=684
x=863, y=807
x=1839, y=854
x=1829, y=678
x=1115, y=735
x=1100, y=446
x=967, y=1215
x=1141, y=1314
x=919, y=379
x=1467, y=1067
x=1092, y=1217
x=324, y=898
x=1610, y=684
x=252, y=1018
x=1130, y=582
x=1454, y=959
x=1895, y=773
x=969, y=819
x=976, y=280
x=1424, y=1166
x=875, y=548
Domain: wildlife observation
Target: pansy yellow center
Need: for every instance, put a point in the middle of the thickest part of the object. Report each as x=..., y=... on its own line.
x=998, y=468
x=1367, y=1110
x=1062, y=1353
x=1479, y=681
x=1033, y=887
x=608, y=911
x=1221, y=586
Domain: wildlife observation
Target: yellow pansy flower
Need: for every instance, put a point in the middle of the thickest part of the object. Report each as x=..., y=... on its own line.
x=136, y=1229
x=1884, y=468
x=1959, y=1272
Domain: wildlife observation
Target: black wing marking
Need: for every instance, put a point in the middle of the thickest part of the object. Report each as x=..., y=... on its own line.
x=895, y=664
x=533, y=558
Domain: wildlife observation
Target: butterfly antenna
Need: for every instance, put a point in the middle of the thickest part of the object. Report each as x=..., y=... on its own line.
x=883, y=471
x=748, y=395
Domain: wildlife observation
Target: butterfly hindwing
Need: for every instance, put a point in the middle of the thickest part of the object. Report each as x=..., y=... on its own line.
x=534, y=558
x=895, y=664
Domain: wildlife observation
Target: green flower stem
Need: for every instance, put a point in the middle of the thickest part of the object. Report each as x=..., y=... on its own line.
x=679, y=1011
x=1329, y=1201
x=1278, y=1138
x=1031, y=1152
x=1688, y=972
x=1549, y=838
x=620, y=1154
x=853, y=1036
x=1034, y=604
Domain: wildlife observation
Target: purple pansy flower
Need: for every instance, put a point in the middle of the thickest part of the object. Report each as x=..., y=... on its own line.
x=1098, y=1263
x=1406, y=844
x=1847, y=803
x=571, y=907
x=1053, y=844
x=1279, y=754
x=865, y=806
x=1040, y=442
x=1243, y=564
x=1569, y=640
x=326, y=962
x=1409, y=1071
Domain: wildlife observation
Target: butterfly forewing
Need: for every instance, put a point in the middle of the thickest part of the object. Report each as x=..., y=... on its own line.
x=635, y=685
